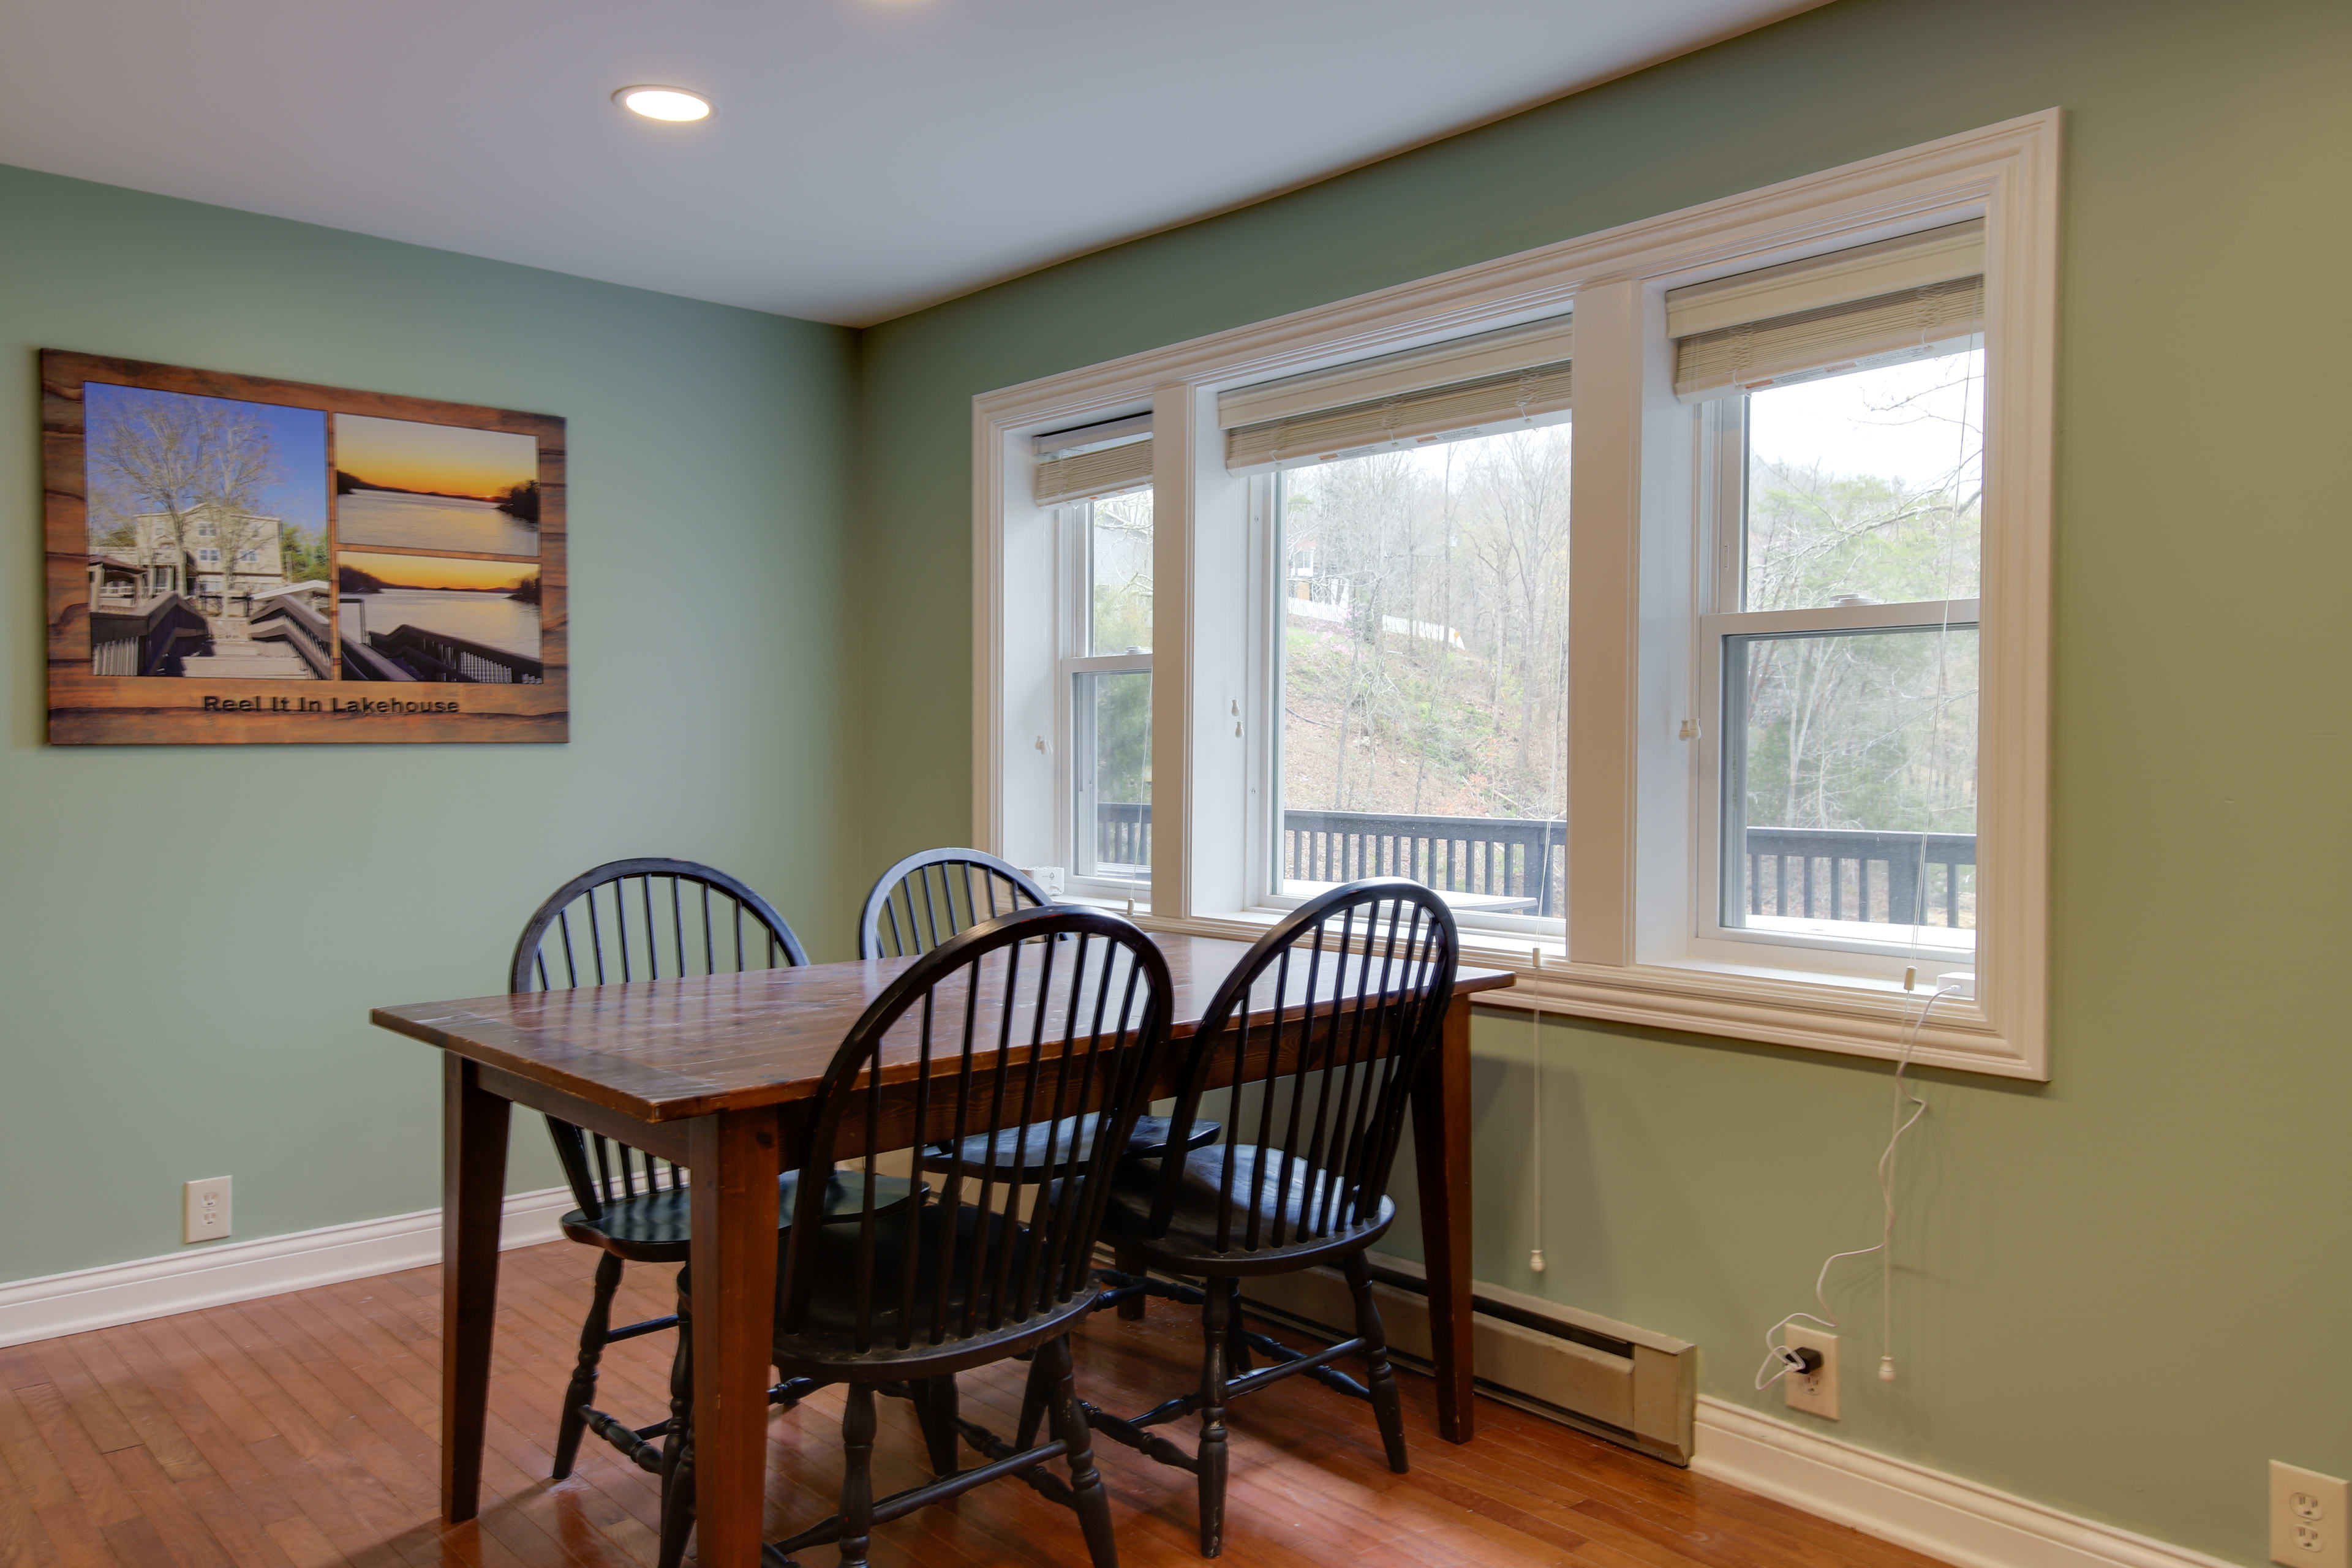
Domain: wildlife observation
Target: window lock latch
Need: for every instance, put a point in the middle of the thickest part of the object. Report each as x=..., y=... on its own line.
x=1689, y=730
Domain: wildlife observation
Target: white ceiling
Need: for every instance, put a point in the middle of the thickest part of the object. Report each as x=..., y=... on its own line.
x=868, y=156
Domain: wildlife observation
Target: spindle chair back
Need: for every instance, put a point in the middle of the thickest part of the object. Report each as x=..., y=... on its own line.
x=641, y=919
x=1012, y=1030
x=1314, y=1113
x=1014, y=1027
x=930, y=896
x=1309, y=1052
x=635, y=920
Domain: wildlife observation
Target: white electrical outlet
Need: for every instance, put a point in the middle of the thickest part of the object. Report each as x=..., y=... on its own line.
x=2308, y=1518
x=1048, y=877
x=1816, y=1392
x=206, y=1209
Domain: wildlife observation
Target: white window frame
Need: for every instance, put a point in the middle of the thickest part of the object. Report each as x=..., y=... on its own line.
x=1074, y=794
x=1634, y=671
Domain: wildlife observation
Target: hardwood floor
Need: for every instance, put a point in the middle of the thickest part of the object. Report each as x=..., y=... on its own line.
x=300, y=1432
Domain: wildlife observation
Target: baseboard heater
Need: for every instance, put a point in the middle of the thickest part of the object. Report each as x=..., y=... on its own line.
x=1608, y=1378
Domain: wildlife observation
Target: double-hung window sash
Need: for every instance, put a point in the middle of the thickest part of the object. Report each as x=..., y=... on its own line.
x=1915, y=298
x=1103, y=681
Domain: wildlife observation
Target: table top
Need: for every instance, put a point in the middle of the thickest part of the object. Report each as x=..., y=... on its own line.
x=663, y=1050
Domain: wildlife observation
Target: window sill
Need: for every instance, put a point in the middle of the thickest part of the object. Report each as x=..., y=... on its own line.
x=1845, y=1015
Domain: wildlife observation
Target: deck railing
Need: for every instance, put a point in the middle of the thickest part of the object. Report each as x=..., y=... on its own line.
x=1903, y=878
x=1122, y=834
x=285, y=618
x=1843, y=874
x=1509, y=858
x=1513, y=858
x=436, y=656
x=144, y=641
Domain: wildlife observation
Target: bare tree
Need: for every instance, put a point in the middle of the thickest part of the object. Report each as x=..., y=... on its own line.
x=196, y=463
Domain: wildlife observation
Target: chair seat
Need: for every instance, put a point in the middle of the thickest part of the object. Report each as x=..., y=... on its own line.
x=658, y=1226
x=826, y=1345
x=1043, y=1149
x=1306, y=1202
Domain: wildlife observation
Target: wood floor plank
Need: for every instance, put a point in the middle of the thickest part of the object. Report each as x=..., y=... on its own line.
x=93, y=1407
x=301, y=1431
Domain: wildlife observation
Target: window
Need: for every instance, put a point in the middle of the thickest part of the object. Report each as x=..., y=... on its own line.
x=1097, y=481
x=1107, y=681
x=247, y=557
x=1843, y=659
x=1417, y=607
x=1422, y=673
x=208, y=555
x=1674, y=600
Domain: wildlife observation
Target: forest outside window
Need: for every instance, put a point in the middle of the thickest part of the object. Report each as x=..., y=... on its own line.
x=1418, y=658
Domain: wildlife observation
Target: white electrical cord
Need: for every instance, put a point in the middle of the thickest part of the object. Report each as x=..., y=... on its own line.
x=1776, y=1351
x=1534, y=1154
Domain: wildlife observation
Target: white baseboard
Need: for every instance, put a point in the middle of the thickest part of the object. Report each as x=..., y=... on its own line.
x=240, y=1270
x=1943, y=1516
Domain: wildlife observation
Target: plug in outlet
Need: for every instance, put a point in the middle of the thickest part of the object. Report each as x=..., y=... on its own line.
x=1815, y=1392
x=2308, y=1518
x=205, y=1203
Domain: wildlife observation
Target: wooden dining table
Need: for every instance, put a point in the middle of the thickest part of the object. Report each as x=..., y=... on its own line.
x=716, y=1074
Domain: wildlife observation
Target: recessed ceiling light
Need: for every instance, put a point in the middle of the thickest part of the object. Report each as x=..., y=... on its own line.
x=663, y=103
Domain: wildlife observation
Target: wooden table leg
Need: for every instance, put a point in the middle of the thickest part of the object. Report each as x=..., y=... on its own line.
x=1441, y=1146
x=736, y=1160
x=473, y=1193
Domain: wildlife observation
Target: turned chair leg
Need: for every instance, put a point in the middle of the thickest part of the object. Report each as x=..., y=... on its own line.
x=936, y=1407
x=1130, y=1262
x=1069, y=1419
x=1216, y=1318
x=1387, y=1409
x=582, y=1388
x=678, y=1453
x=1238, y=1346
x=1035, y=1392
x=858, y=1475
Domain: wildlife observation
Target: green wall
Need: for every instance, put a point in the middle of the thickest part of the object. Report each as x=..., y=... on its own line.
x=191, y=937
x=2120, y=1293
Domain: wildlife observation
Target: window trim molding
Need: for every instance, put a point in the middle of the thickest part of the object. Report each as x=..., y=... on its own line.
x=1615, y=282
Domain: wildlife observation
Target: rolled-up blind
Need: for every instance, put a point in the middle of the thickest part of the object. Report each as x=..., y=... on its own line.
x=1095, y=460
x=1496, y=381
x=1899, y=300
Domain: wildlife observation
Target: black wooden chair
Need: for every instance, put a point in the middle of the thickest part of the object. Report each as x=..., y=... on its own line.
x=1365, y=973
x=930, y=896
x=644, y=919
x=927, y=898
x=1076, y=1001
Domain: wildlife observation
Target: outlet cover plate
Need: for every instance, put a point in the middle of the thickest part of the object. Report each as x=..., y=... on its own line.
x=2309, y=1518
x=1816, y=1395
x=204, y=1209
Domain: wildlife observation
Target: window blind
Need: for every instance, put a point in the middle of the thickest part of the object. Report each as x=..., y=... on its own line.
x=1496, y=381
x=1904, y=299
x=1093, y=461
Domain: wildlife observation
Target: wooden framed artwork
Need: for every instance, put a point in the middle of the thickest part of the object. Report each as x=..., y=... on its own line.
x=233, y=560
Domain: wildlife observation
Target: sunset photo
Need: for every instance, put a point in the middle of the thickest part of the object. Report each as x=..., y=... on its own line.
x=435, y=487
x=436, y=617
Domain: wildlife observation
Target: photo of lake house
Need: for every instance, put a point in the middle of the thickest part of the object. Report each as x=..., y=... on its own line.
x=207, y=552
x=438, y=618
x=403, y=485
